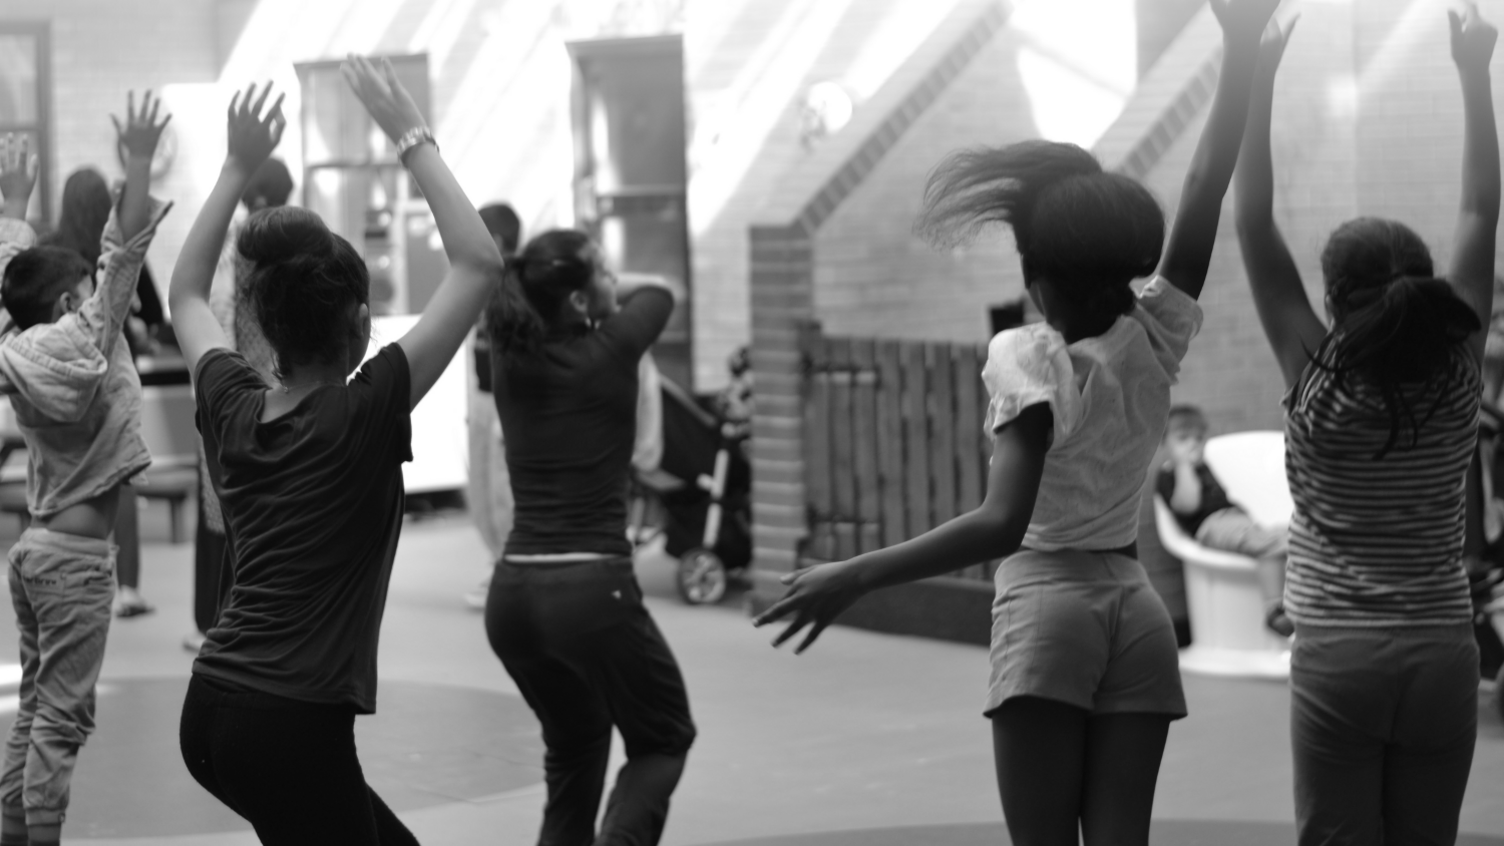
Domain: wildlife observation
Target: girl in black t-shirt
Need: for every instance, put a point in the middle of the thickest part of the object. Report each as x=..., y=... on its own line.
x=309, y=477
x=565, y=613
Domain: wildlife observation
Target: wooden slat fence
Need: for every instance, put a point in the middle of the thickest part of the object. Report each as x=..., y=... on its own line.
x=894, y=441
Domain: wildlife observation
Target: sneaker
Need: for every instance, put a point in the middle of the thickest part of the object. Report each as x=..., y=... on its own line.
x=1278, y=622
x=128, y=603
x=476, y=599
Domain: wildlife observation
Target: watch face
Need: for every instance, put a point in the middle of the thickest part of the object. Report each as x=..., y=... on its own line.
x=161, y=161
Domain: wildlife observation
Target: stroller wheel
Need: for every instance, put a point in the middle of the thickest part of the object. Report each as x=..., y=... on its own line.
x=702, y=577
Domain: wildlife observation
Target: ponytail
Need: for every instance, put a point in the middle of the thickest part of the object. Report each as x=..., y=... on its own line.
x=534, y=286
x=974, y=188
x=1089, y=232
x=1396, y=337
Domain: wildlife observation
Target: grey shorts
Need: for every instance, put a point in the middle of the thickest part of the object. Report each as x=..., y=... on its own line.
x=1086, y=629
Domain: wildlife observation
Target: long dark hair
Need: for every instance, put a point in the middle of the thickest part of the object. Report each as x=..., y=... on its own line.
x=304, y=282
x=1396, y=327
x=1088, y=232
x=86, y=210
x=534, y=287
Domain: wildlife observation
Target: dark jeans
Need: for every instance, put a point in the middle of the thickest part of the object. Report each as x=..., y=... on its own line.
x=288, y=767
x=1383, y=723
x=587, y=657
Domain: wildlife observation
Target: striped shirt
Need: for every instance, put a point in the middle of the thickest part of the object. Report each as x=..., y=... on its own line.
x=1377, y=542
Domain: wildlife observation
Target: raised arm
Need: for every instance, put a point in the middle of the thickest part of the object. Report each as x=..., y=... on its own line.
x=128, y=233
x=18, y=175
x=819, y=594
x=251, y=138
x=474, y=261
x=1188, y=250
x=139, y=136
x=1290, y=323
x=1472, y=272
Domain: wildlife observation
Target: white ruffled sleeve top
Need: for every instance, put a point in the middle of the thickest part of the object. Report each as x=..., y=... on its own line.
x=1109, y=397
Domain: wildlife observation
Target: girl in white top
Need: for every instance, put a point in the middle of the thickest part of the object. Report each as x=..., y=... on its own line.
x=1085, y=680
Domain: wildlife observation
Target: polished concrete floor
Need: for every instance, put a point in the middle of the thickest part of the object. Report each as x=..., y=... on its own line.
x=866, y=739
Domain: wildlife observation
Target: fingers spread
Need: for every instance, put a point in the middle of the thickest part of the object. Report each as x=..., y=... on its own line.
x=814, y=632
x=265, y=92
x=791, y=629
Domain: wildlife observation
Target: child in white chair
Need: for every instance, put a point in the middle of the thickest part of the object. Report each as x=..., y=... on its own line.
x=1202, y=509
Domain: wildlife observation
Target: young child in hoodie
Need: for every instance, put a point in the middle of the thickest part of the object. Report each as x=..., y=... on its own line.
x=77, y=400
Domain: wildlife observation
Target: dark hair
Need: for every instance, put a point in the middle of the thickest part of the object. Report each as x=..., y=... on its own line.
x=502, y=222
x=1088, y=232
x=1395, y=327
x=303, y=283
x=1187, y=413
x=534, y=287
x=35, y=278
x=86, y=210
x=271, y=182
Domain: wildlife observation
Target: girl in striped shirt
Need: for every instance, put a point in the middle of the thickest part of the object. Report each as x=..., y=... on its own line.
x=1381, y=422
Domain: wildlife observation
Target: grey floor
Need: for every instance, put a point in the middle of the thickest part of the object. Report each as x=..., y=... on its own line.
x=866, y=739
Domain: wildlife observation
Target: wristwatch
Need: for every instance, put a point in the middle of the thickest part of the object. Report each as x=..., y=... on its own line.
x=412, y=138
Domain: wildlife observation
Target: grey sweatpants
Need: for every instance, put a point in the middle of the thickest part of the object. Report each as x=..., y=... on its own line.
x=61, y=586
x=1382, y=722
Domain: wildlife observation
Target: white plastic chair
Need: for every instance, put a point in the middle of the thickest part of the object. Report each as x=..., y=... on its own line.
x=1222, y=588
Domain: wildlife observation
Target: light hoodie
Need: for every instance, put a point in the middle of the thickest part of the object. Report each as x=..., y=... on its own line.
x=72, y=382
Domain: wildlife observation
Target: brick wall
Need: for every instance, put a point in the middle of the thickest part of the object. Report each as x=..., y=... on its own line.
x=873, y=275
x=748, y=72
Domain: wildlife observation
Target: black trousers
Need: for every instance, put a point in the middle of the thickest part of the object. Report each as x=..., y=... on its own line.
x=587, y=657
x=288, y=767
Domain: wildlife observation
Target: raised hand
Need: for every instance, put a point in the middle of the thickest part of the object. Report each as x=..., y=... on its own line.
x=383, y=96
x=252, y=135
x=1473, y=39
x=1272, y=46
x=18, y=170
x=141, y=131
x=1243, y=21
x=816, y=596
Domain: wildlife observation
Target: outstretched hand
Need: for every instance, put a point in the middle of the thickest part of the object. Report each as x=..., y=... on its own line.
x=816, y=596
x=141, y=132
x=252, y=135
x=1473, y=38
x=1243, y=21
x=18, y=169
x=385, y=99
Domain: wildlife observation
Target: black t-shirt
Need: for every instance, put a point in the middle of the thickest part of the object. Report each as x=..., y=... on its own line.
x=313, y=507
x=1213, y=498
x=569, y=418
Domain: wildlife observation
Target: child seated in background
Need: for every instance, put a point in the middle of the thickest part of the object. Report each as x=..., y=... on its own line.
x=1203, y=510
x=77, y=400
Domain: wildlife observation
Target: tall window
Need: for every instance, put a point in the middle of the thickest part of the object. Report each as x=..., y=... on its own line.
x=24, y=104
x=630, y=168
x=354, y=181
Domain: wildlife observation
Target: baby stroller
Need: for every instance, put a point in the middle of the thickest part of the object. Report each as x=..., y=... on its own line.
x=698, y=497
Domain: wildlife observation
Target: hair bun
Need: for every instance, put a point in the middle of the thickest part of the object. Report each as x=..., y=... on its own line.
x=285, y=235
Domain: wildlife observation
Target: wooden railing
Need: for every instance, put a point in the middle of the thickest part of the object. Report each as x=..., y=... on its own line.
x=893, y=439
